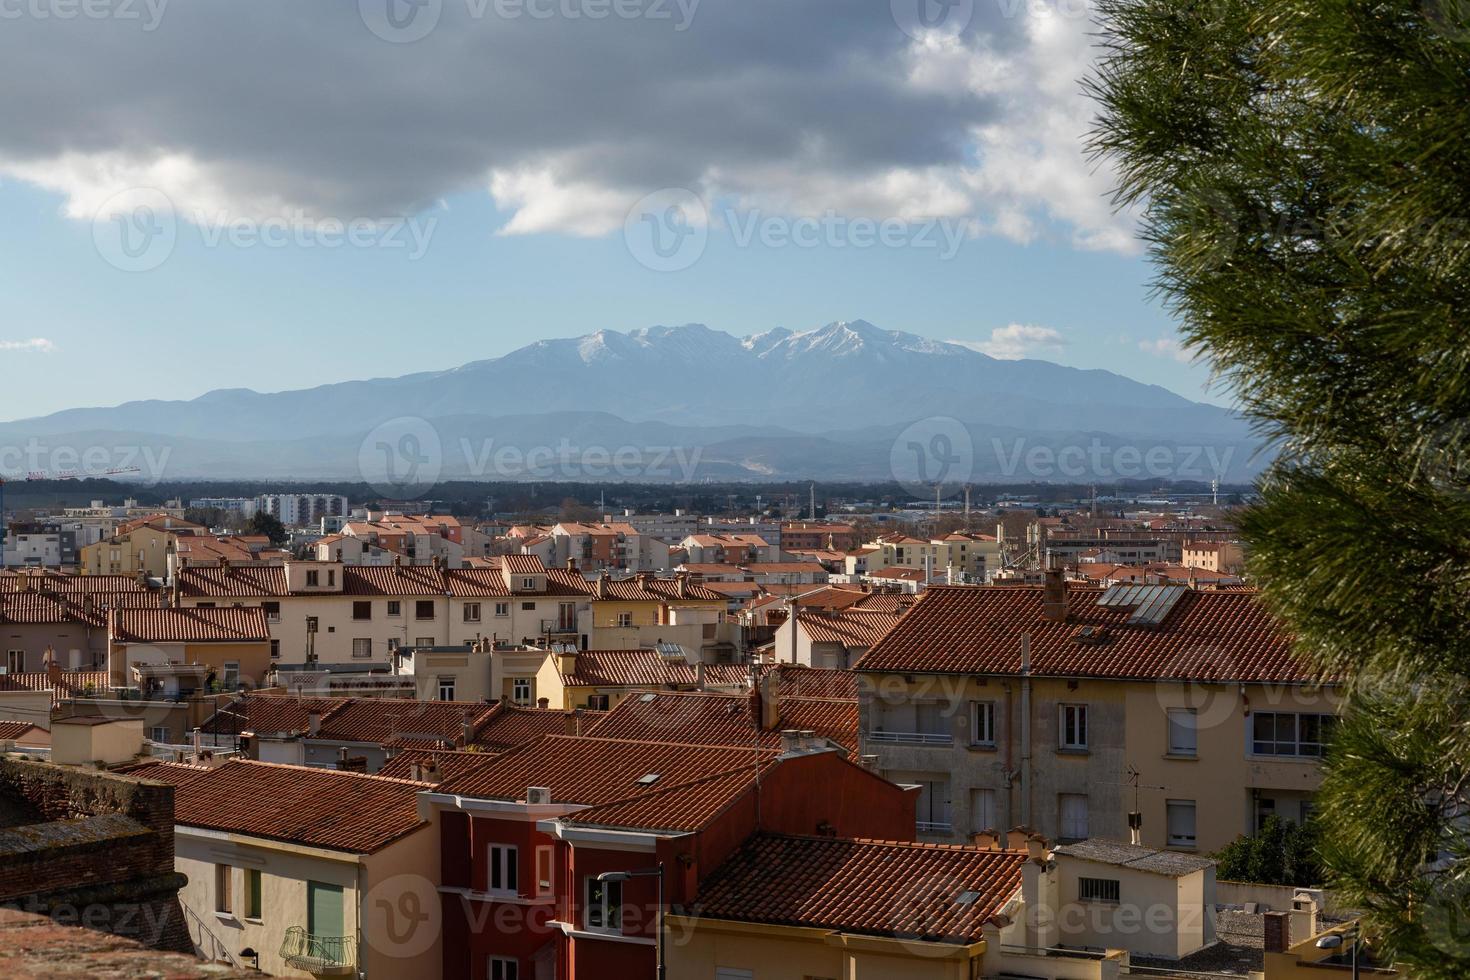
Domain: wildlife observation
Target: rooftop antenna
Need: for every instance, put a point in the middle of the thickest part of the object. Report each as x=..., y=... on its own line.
x=967, y=506
x=814, y=501
x=1215, y=491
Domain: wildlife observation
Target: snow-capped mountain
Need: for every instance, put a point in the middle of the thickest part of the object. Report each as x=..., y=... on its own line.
x=845, y=377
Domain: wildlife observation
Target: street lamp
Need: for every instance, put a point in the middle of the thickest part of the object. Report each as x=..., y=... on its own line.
x=658, y=872
x=1335, y=941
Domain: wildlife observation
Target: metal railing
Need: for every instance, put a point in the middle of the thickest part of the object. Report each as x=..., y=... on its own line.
x=916, y=738
x=207, y=946
x=320, y=955
x=933, y=827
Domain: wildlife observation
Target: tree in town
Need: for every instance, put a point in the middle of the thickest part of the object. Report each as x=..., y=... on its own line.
x=1280, y=853
x=268, y=525
x=1302, y=177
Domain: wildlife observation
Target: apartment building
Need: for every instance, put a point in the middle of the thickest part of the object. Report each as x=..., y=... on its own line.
x=313, y=870
x=141, y=545
x=832, y=637
x=296, y=509
x=1225, y=557
x=963, y=556
x=729, y=549
x=52, y=618
x=1065, y=709
x=613, y=546
x=817, y=536
x=551, y=854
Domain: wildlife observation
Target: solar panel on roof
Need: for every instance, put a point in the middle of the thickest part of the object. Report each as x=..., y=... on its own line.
x=1150, y=603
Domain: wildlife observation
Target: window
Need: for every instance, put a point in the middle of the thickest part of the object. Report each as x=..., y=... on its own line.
x=502, y=609
x=275, y=649
x=423, y=609
x=446, y=689
x=312, y=578
x=933, y=806
x=503, y=867
x=1072, y=816
x=331, y=576
x=362, y=610
x=982, y=722
x=528, y=607
x=597, y=702
x=158, y=733
x=224, y=887
x=1290, y=734
x=471, y=612
x=1098, y=890
x=1073, y=726
x=625, y=619
x=252, y=893
x=604, y=905
x=1183, y=734
x=272, y=611
x=982, y=810
x=395, y=607
x=501, y=968
x=543, y=869
x=529, y=584
x=15, y=662
x=231, y=675
x=1181, y=822
x=1265, y=810
x=520, y=690
x=362, y=649
x=423, y=641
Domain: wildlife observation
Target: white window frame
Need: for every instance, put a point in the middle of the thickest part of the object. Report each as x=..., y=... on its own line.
x=545, y=869
x=446, y=684
x=365, y=644
x=1188, y=840
x=982, y=723
x=1079, y=713
x=602, y=906
x=517, y=685
x=502, y=610
x=978, y=794
x=503, y=862
x=224, y=890
x=1282, y=749
x=153, y=733
x=1063, y=830
x=471, y=612
x=1183, y=724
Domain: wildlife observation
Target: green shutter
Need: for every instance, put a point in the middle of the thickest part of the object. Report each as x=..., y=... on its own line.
x=324, y=909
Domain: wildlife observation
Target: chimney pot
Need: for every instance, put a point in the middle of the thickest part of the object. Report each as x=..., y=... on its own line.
x=792, y=742
x=314, y=724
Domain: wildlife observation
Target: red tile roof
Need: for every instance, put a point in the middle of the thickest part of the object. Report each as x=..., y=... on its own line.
x=51, y=581
x=799, y=681
x=56, y=608
x=72, y=684
x=16, y=729
x=379, y=720
x=266, y=714
x=175, y=773
x=221, y=624
x=1214, y=636
x=854, y=627
x=683, y=807
x=931, y=892
x=340, y=811
x=509, y=726
x=627, y=668
x=450, y=763
x=725, y=719
x=214, y=581
x=523, y=564
x=393, y=580
x=591, y=771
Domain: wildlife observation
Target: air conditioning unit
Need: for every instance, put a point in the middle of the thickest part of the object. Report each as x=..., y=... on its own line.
x=538, y=795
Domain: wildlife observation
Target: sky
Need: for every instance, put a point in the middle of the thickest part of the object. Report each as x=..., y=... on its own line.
x=276, y=195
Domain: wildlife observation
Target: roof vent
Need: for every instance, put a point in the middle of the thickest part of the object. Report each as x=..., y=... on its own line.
x=967, y=898
x=649, y=698
x=649, y=779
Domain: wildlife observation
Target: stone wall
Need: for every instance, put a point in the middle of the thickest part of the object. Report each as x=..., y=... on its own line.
x=101, y=857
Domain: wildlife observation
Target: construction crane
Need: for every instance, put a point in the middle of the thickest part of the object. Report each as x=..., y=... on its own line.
x=35, y=475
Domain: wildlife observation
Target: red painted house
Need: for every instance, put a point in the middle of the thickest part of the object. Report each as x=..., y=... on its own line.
x=525, y=835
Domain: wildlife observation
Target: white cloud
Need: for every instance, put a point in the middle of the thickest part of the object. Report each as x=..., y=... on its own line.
x=36, y=345
x=565, y=127
x=1017, y=340
x=1167, y=347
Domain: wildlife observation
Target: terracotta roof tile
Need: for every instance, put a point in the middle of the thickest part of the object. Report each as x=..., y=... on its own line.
x=591, y=771
x=725, y=719
x=12, y=730
x=449, y=762
x=265, y=714
x=379, y=720
x=222, y=624
x=853, y=627
x=1218, y=636
x=72, y=684
x=931, y=892
x=175, y=773
x=510, y=726
x=687, y=806
x=341, y=811
x=215, y=581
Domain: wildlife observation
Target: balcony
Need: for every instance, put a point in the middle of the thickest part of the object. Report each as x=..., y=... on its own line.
x=933, y=827
x=558, y=626
x=321, y=956
x=912, y=738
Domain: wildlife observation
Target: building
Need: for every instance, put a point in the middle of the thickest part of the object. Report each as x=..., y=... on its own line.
x=1056, y=708
x=599, y=679
x=301, y=508
x=143, y=545
x=309, y=868
x=245, y=507
x=174, y=652
x=40, y=546
x=817, y=536
x=831, y=637
x=52, y=618
x=527, y=835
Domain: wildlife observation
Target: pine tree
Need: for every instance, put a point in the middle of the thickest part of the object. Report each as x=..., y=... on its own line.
x=1302, y=170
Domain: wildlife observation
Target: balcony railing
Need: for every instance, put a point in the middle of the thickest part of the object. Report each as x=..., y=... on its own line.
x=933, y=827
x=319, y=955
x=558, y=626
x=915, y=738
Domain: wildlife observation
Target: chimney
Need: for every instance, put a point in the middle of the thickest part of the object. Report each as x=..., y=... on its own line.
x=198, y=744
x=89, y=602
x=988, y=839
x=1036, y=849
x=601, y=591
x=1054, y=596
x=429, y=771
x=566, y=660
x=314, y=723
x=53, y=674
x=769, y=701
x=792, y=742
x=1277, y=932
x=342, y=758
x=573, y=721
x=699, y=676
x=1016, y=838
x=467, y=728
x=543, y=703
x=572, y=565
x=682, y=580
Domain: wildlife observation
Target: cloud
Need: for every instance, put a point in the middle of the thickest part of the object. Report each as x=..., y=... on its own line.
x=1017, y=340
x=1167, y=347
x=36, y=345
x=566, y=121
